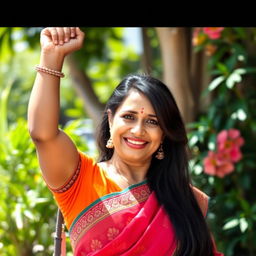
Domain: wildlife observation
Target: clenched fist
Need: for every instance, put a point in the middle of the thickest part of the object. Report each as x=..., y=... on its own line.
x=61, y=40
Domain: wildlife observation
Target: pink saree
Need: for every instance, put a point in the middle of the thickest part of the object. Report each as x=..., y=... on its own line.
x=126, y=223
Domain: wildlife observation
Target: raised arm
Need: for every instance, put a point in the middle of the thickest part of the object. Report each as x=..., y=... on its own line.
x=57, y=154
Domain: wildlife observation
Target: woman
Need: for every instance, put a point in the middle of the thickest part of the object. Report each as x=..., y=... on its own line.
x=138, y=198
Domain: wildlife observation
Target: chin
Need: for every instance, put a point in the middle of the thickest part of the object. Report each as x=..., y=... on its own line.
x=136, y=158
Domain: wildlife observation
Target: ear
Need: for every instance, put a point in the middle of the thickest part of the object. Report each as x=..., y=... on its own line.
x=110, y=118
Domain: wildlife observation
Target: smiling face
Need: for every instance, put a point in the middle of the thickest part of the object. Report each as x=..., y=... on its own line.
x=135, y=131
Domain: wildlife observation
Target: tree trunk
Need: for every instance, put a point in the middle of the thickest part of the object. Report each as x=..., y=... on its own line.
x=147, y=53
x=175, y=58
x=83, y=86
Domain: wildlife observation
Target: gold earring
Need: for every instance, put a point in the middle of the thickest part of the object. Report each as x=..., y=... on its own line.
x=110, y=143
x=160, y=153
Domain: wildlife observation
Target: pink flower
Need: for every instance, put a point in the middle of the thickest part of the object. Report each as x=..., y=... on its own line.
x=220, y=163
x=210, y=163
x=230, y=141
x=217, y=164
x=213, y=32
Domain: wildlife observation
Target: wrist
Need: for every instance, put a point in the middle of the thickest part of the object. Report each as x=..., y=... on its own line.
x=52, y=60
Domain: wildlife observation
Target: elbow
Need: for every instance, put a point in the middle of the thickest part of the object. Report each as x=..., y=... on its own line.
x=39, y=136
x=35, y=135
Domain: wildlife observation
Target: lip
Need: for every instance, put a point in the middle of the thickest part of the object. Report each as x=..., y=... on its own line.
x=135, y=146
x=135, y=139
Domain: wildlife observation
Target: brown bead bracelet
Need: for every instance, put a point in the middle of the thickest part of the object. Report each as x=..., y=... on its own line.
x=49, y=71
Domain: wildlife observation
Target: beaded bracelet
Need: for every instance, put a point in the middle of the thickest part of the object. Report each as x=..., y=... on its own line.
x=49, y=71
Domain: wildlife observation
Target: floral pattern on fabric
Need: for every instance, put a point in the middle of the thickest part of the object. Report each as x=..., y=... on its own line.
x=105, y=207
x=112, y=233
x=96, y=245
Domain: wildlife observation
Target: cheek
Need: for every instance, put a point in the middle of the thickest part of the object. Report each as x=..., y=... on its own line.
x=119, y=128
x=158, y=134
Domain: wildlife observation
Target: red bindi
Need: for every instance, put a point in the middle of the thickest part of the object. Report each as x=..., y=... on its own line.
x=142, y=110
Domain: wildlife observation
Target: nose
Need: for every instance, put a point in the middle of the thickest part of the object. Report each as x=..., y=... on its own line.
x=138, y=129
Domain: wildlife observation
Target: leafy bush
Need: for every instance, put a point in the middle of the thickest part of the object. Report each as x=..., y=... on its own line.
x=27, y=209
x=232, y=211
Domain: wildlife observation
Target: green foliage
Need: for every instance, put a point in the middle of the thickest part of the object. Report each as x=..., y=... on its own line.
x=24, y=196
x=111, y=63
x=27, y=208
x=104, y=56
x=232, y=211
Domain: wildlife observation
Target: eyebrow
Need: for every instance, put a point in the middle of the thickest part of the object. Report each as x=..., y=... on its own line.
x=135, y=112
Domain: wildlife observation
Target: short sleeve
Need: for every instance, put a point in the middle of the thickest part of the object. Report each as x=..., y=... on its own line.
x=87, y=184
x=77, y=192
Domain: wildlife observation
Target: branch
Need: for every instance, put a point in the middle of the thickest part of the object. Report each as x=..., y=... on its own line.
x=83, y=86
x=147, y=52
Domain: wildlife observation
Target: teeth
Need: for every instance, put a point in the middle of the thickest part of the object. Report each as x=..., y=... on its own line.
x=135, y=142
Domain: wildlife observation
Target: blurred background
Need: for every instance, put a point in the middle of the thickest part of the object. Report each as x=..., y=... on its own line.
x=210, y=70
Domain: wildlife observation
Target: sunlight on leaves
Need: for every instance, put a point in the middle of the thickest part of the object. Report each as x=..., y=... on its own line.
x=231, y=224
x=216, y=82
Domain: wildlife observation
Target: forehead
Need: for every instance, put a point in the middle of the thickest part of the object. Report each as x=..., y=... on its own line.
x=136, y=101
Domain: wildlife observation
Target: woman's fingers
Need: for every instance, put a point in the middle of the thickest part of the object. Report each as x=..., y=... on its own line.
x=60, y=35
x=73, y=32
x=67, y=34
x=80, y=34
x=62, y=39
x=54, y=35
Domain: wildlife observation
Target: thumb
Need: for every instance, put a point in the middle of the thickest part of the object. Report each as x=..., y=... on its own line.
x=79, y=32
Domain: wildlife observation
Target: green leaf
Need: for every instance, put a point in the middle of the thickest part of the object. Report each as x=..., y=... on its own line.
x=29, y=215
x=231, y=224
x=217, y=56
x=223, y=68
x=3, y=108
x=243, y=225
x=18, y=216
x=216, y=82
x=193, y=140
x=240, y=71
x=232, y=79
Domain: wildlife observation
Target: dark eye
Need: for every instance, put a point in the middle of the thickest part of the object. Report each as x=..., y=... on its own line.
x=152, y=121
x=127, y=116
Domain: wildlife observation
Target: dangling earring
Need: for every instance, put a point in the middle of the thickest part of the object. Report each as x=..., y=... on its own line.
x=110, y=143
x=160, y=153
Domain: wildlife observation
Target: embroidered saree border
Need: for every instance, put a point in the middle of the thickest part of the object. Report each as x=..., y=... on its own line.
x=106, y=206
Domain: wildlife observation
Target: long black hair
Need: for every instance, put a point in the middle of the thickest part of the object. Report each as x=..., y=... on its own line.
x=169, y=177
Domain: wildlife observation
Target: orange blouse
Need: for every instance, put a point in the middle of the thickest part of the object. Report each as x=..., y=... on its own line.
x=90, y=182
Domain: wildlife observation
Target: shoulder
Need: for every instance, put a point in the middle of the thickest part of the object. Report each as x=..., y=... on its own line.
x=202, y=199
x=85, y=159
x=85, y=164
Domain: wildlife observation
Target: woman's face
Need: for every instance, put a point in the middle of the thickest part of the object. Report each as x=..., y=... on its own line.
x=135, y=131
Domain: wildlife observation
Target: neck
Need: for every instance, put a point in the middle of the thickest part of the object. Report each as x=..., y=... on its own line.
x=132, y=172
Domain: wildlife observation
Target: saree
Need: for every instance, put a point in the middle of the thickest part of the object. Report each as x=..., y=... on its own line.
x=126, y=223
x=103, y=219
